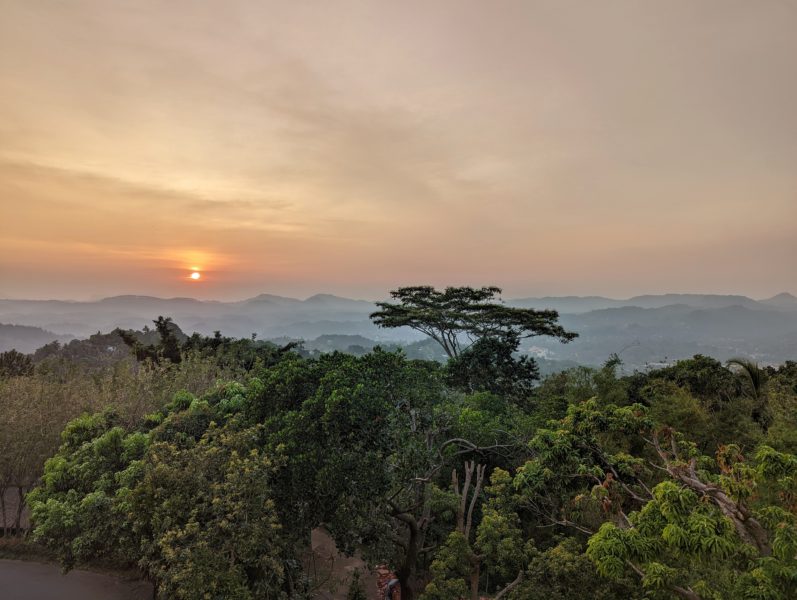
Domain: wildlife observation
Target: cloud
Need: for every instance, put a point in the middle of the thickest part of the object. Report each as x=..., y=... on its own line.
x=536, y=143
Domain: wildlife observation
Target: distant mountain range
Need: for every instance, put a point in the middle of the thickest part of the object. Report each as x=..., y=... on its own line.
x=265, y=314
x=583, y=304
x=643, y=329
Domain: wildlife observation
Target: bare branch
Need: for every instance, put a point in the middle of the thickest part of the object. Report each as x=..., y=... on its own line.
x=510, y=586
x=476, y=490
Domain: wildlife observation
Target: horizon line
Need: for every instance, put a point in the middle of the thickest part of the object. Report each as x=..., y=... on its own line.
x=327, y=294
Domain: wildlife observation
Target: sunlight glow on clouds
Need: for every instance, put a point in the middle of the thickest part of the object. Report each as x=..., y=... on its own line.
x=548, y=147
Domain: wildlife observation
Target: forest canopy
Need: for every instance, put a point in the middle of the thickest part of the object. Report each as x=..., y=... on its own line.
x=206, y=462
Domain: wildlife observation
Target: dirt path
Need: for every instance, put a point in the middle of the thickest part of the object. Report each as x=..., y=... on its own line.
x=22, y=580
x=26, y=580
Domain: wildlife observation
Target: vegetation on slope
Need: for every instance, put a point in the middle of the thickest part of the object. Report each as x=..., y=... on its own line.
x=208, y=464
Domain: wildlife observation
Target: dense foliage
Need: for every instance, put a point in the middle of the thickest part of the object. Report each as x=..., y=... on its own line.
x=468, y=479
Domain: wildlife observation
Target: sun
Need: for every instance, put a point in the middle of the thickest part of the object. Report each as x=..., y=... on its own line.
x=195, y=275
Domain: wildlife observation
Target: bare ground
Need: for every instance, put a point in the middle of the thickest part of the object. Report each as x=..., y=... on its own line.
x=23, y=580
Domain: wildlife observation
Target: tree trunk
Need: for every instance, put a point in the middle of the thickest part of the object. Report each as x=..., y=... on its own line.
x=20, y=506
x=3, y=510
x=407, y=570
x=475, y=571
x=405, y=573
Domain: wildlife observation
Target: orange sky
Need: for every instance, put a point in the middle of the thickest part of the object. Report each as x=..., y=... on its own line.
x=350, y=147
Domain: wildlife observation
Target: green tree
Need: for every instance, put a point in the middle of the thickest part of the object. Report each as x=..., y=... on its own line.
x=359, y=455
x=15, y=364
x=705, y=378
x=489, y=365
x=73, y=508
x=456, y=569
x=564, y=571
x=755, y=379
x=464, y=312
x=704, y=400
x=207, y=523
x=189, y=501
x=684, y=523
x=781, y=391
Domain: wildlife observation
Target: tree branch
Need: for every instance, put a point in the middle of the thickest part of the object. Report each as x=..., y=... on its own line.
x=510, y=586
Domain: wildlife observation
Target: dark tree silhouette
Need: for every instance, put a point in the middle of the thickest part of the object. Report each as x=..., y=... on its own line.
x=465, y=313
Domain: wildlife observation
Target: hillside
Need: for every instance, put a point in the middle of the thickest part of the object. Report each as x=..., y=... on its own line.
x=644, y=329
x=26, y=339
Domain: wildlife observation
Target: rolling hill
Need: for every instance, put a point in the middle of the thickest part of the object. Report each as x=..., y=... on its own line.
x=643, y=329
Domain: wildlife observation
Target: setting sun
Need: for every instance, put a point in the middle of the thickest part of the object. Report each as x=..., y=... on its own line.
x=195, y=275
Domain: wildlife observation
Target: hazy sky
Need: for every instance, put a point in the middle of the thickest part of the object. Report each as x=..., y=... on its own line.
x=350, y=147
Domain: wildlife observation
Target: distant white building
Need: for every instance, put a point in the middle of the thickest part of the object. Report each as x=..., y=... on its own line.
x=539, y=352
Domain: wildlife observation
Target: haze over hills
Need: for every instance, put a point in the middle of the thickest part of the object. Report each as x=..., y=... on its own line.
x=643, y=329
x=782, y=300
x=26, y=339
x=582, y=304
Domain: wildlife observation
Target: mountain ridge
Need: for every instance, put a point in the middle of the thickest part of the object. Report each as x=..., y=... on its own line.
x=638, y=300
x=653, y=325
